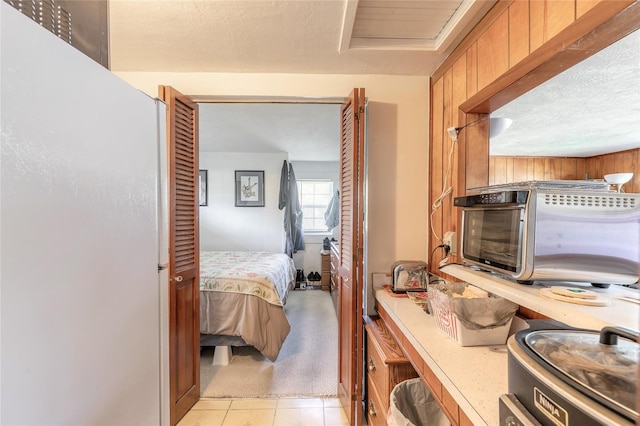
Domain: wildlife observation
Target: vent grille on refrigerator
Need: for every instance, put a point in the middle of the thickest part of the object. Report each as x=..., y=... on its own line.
x=46, y=13
x=591, y=200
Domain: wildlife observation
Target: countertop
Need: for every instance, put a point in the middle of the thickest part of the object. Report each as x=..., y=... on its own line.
x=477, y=376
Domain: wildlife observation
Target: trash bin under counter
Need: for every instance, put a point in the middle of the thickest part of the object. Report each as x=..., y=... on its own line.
x=411, y=404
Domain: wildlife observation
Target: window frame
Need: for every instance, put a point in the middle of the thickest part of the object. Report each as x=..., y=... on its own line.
x=315, y=231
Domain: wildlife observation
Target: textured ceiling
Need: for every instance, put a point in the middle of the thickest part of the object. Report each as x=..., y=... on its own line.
x=286, y=36
x=307, y=132
x=590, y=109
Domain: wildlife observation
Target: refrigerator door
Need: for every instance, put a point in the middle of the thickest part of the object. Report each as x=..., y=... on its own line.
x=163, y=260
x=81, y=306
x=163, y=190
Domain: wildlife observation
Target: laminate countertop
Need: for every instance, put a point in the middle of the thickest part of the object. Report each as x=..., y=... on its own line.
x=476, y=376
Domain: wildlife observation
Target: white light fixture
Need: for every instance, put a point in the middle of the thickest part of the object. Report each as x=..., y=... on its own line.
x=618, y=179
x=497, y=126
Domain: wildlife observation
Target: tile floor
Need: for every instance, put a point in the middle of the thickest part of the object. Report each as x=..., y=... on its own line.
x=266, y=412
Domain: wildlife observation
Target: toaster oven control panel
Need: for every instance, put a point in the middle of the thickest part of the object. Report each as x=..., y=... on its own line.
x=503, y=197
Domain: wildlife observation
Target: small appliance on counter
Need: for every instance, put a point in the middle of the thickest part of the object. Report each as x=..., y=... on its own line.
x=553, y=231
x=408, y=275
x=571, y=377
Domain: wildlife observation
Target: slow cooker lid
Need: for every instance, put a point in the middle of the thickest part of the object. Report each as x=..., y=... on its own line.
x=609, y=370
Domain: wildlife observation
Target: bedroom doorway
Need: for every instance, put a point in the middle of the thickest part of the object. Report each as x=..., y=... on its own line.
x=258, y=134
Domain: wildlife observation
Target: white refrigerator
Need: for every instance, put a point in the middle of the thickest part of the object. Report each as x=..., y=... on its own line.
x=83, y=302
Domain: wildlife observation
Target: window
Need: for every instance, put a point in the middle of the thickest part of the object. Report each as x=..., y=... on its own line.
x=314, y=199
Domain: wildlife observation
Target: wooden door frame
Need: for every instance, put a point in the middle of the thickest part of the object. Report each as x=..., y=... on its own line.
x=360, y=280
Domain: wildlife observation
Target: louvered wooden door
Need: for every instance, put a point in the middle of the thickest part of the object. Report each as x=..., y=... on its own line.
x=184, y=303
x=350, y=322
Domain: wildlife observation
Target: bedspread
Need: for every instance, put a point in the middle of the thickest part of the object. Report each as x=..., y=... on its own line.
x=267, y=275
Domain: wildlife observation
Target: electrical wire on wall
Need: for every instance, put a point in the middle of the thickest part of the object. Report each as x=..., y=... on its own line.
x=497, y=126
x=446, y=186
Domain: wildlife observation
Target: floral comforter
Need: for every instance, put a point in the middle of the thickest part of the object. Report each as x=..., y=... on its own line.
x=269, y=276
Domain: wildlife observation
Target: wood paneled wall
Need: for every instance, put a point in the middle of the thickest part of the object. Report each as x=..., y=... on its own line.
x=617, y=162
x=503, y=169
x=519, y=169
x=518, y=45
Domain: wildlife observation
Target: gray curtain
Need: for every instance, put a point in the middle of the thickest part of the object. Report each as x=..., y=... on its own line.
x=290, y=202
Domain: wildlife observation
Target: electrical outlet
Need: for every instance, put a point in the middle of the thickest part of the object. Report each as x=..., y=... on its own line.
x=450, y=240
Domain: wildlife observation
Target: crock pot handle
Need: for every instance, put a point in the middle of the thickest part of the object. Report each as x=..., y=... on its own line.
x=609, y=335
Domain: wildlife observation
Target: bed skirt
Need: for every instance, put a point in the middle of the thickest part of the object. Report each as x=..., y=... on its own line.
x=253, y=320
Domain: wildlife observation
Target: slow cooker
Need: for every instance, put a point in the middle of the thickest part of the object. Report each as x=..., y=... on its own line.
x=571, y=377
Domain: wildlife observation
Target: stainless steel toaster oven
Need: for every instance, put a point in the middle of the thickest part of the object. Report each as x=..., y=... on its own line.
x=553, y=233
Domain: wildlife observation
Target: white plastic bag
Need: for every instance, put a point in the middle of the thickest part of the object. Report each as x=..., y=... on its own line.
x=411, y=404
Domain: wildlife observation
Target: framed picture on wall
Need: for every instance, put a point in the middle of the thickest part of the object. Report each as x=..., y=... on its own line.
x=249, y=188
x=202, y=185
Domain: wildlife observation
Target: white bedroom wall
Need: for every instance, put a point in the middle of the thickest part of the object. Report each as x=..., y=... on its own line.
x=226, y=227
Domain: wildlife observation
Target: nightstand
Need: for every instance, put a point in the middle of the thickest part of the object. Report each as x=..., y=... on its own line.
x=325, y=273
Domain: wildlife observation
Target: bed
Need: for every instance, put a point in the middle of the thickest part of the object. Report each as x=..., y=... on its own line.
x=242, y=298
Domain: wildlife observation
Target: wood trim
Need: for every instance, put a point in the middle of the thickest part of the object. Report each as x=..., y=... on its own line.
x=527, y=313
x=450, y=406
x=593, y=31
x=493, y=14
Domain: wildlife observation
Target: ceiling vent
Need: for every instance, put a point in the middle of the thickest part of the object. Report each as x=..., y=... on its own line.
x=48, y=14
x=89, y=32
x=429, y=25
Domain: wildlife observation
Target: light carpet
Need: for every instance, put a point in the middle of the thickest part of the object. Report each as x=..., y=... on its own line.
x=307, y=364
